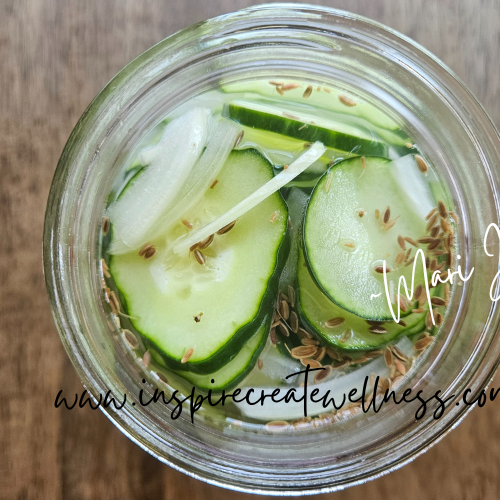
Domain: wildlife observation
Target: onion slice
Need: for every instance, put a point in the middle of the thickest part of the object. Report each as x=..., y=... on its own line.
x=143, y=203
x=270, y=187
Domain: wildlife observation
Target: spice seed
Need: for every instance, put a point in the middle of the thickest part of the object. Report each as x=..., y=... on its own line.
x=320, y=354
x=418, y=310
x=291, y=295
x=434, y=231
x=399, y=354
x=400, y=258
x=192, y=247
x=390, y=224
x=380, y=269
x=402, y=303
x=430, y=214
x=199, y=257
x=284, y=330
x=273, y=337
x=206, y=242
x=130, y=339
x=144, y=249
x=373, y=354
x=114, y=300
x=333, y=322
x=329, y=182
x=425, y=240
x=386, y=215
x=294, y=322
x=105, y=226
x=304, y=333
x=442, y=209
x=438, y=301
x=214, y=183
x=428, y=320
x=308, y=341
x=434, y=244
x=445, y=226
x=260, y=363
x=363, y=162
x=447, y=293
x=401, y=242
x=284, y=310
x=388, y=357
x=274, y=216
x=377, y=213
x=399, y=366
x=421, y=164
x=411, y=241
x=333, y=354
x=225, y=229
x=238, y=139
x=421, y=344
x=290, y=86
x=347, y=101
x=453, y=216
x=188, y=354
x=307, y=92
x=431, y=222
x=105, y=269
x=322, y=374
x=378, y=330
x=150, y=252
x=303, y=351
x=187, y=223
x=197, y=318
x=409, y=145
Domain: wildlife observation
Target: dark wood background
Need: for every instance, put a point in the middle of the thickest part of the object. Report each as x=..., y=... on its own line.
x=55, y=55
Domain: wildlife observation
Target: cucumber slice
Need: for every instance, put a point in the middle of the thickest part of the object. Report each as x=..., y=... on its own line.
x=324, y=99
x=237, y=368
x=342, y=249
x=306, y=127
x=234, y=289
x=315, y=309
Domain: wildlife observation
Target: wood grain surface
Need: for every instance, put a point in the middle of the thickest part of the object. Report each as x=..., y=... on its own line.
x=55, y=55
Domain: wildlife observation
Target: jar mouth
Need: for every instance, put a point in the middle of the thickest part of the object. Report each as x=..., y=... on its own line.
x=389, y=70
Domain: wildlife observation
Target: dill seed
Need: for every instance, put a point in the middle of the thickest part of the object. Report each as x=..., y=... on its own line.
x=438, y=301
x=226, y=229
x=304, y=333
x=307, y=92
x=411, y=241
x=303, y=126
x=326, y=90
x=192, y=247
x=130, y=339
x=409, y=145
x=377, y=213
x=432, y=222
x=105, y=269
x=361, y=213
x=284, y=310
x=445, y=226
x=453, y=216
x=449, y=240
x=199, y=257
x=144, y=249
x=380, y=269
x=150, y=253
x=320, y=354
x=206, y=242
x=386, y=215
x=113, y=299
x=402, y=323
x=347, y=101
x=274, y=216
x=307, y=144
x=146, y=359
x=439, y=319
x=294, y=322
x=430, y=214
x=289, y=86
x=347, y=335
x=400, y=257
x=390, y=224
x=187, y=223
x=447, y=293
x=399, y=354
x=188, y=354
x=322, y=374
x=363, y=162
x=277, y=426
x=425, y=240
x=162, y=378
x=378, y=330
x=311, y=362
x=332, y=354
x=105, y=226
x=418, y=310
x=388, y=357
x=260, y=363
x=434, y=244
x=280, y=92
x=284, y=330
x=433, y=265
x=421, y=164
x=308, y=341
x=272, y=337
x=418, y=292
x=238, y=139
x=434, y=231
x=399, y=366
x=291, y=295
x=421, y=344
x=402, y=303
x=329, y=182
x=303, y=351
x=428, y=319
x=333, y=322
x=197, y=318
x=276, y=84
x=401, y=242
x=442, y=209
x=214, y=183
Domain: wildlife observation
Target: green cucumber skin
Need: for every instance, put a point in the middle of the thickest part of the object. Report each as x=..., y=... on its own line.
x=288, y=127
x=227, y=352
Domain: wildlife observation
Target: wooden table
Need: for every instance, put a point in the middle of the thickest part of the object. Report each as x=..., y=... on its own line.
x=55, y=55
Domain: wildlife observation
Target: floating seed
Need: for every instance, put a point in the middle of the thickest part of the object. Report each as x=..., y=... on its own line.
x=421, y=344
x=294, y=322
x=380, y=269
x=273, y=337
x=291, y=295
x=421, y=164
x=402, y=303
x=284, y=330
x=114, y=302
x=388, y=357
x=409, y=145
x=130, y=339
x=347, y=335
x=447, y=293
x=238, y=139
x=322, y=374
x=105, y=226
x=430, y=214
x=307, y=92
x=428, y=320
x=418, y=292
x=304, y=333
x=399, y=366
x=378, y=330
x=399, y=354
x=329, y=182
x=361, y=213
x=434, y=231
x=284, y=310
x=206, y=242
x=373, y=354
x=400, y=257
x=311, y=362
x=408, y=253
x=411, y=241
x=439, y=319
x=197, y=318
x=225, y=229
x=401, y=242
x=425, y=240
x=377, y=213
x=105, y=269
x=303, y=351
x=192, y=247
x=438, y=301
x=188, y=354
x=214, y=184
x=386, y=215
x=199, y=257
x=431, y=222
x=145, y=248
x=442, y=209
x=453, y=216
x=162, y=378
x=333, y=322
x=347, y=101
x=150, y=253
x=418, y=310
x=308, y=341
x=289, y=86
x=445, y=226
x=434, y=244
x=187, y=223
x=402, y=323
x=274, y=216
x=333, y=354
x=146, y=359
x=320, y=354
x=260, y=363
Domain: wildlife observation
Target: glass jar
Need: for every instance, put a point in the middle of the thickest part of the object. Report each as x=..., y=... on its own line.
x=279, y=41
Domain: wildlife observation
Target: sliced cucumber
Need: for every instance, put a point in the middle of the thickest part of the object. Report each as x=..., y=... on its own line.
x=328, y=99
x=343, y=249
x=306, y=127
x=315, y=309
x=233, y=290
x=237, y=368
